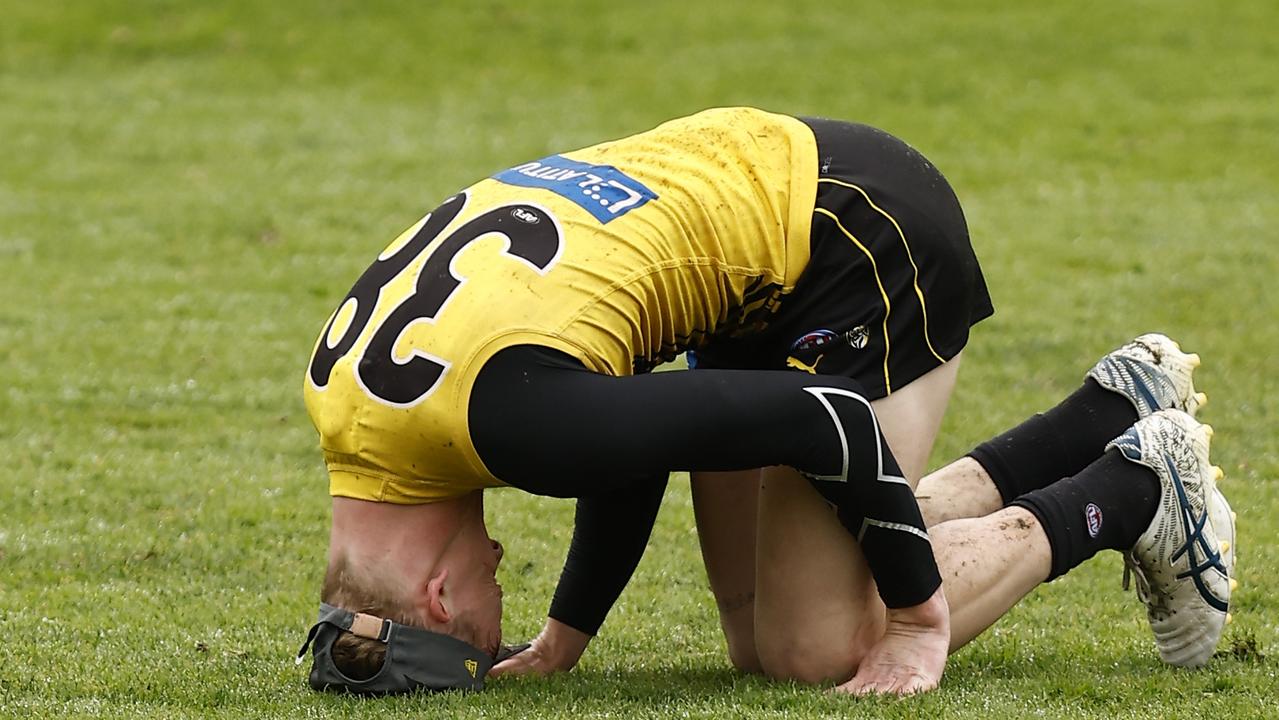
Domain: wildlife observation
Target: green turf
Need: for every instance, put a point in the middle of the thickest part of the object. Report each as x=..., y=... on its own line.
x=187, y=189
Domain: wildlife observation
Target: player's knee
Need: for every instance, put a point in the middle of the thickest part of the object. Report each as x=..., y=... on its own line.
x=741, y=645
x=811, y=664
x=744, y=657
x=738, y=625
x=810, y=657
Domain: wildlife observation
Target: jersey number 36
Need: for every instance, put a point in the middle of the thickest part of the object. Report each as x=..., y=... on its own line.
x=533, y=237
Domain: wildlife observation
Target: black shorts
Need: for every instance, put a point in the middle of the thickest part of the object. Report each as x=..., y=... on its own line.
x=893, y=284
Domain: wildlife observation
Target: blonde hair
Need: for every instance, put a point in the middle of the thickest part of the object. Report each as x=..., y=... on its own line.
x=360, y=658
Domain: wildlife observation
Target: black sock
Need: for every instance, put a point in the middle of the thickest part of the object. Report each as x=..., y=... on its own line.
x=1057, y=443
x=1108, y=505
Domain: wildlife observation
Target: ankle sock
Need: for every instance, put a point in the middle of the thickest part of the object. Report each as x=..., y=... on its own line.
x=1055, y=444
x=1107, y=505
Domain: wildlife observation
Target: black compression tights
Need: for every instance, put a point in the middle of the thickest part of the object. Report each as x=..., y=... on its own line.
x=543, y=423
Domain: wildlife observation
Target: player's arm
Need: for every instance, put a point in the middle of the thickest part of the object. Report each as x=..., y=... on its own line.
x=610, y=532
x=844, y=454
x=883, y=516
x=878, y=508
x=911, y=655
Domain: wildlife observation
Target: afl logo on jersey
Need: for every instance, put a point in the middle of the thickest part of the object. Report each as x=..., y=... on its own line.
x=822, y=340
x=815, y=340
x=1092, y=514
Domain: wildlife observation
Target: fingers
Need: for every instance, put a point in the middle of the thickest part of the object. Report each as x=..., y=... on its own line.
x=507, y=652
x=506, y=667
x=515, y=666
x=899, y=681
x=525, y=659
x=522, y=663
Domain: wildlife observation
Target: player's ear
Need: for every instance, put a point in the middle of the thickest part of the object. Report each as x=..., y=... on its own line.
x=436, y=608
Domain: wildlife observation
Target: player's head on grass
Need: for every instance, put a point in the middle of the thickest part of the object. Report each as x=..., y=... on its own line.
x=430, y=566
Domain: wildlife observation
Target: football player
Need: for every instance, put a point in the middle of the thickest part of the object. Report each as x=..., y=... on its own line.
x=821, y=275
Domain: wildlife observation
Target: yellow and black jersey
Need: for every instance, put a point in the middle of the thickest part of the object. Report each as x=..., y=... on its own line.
x=620, y=254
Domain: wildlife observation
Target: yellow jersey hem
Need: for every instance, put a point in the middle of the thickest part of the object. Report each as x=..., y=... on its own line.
x=362, y=483
x=803, y=199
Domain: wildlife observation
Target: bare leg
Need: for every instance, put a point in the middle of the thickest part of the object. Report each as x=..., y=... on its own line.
x=988, y=564
x=962, y=489
x=724, y=505
x=989, y=556
x=911, y=417
x=846, y=605
x=906, y=660
x=817, y=611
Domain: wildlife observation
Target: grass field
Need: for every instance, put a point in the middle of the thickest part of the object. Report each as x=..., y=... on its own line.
x=187, y=189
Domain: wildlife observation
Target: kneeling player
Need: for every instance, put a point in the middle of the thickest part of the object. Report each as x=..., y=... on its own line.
x=1021, y=509
x=795, y=596
x=505, y=339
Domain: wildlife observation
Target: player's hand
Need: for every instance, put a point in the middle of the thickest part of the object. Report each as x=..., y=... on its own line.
x=556, y=649
x=910, y=657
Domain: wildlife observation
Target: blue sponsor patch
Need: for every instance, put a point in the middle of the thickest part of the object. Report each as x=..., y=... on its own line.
x=602, y=190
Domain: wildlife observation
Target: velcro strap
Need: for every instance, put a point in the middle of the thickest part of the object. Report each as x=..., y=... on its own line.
x=371, y=626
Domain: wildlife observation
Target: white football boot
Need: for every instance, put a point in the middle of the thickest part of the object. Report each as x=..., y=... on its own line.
x=1153, y=373
x=1178, y=560
x=1222, y=518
